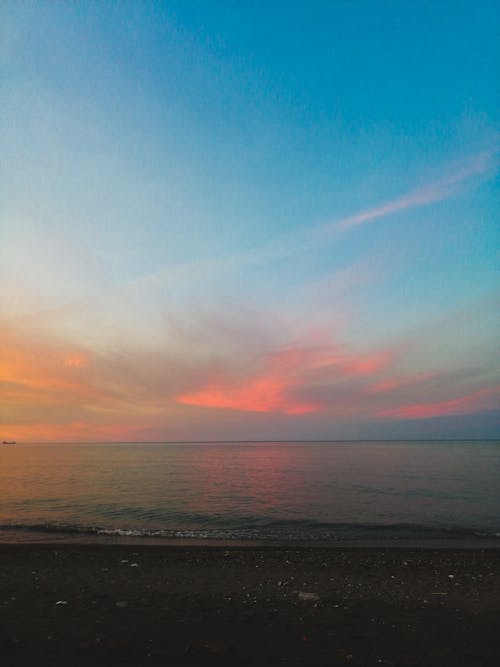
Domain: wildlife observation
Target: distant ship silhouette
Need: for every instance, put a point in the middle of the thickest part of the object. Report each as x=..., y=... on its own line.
x=8, y=442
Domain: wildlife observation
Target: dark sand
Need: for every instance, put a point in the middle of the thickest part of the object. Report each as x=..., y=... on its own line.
x=247, y=606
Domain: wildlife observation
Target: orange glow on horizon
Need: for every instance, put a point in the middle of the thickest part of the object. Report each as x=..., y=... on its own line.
x=63, y=392
x=68, y=432
x=47, y=396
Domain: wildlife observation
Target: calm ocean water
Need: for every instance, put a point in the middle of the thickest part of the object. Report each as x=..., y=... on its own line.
x=301, y=492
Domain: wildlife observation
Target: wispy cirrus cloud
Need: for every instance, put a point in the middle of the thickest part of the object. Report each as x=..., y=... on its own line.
x=439, y=190
x=459, y=176
x=200, y=273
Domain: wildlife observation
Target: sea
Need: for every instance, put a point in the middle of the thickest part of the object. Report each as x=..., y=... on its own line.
x=436, y=493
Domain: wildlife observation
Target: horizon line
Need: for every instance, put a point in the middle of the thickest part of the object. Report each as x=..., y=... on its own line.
x=235, y=441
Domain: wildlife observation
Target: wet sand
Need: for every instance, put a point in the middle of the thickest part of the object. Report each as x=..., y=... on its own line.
x=95, y=604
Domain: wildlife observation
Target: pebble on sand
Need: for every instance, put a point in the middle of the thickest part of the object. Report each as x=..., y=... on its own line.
x=303, y=595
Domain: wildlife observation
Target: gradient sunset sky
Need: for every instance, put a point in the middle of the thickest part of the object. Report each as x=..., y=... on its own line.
x=248, y=220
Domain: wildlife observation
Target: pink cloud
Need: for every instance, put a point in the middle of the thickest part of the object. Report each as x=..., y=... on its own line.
x=392, y=384
x=263, y=394
x=483, y=399
x=285, y=378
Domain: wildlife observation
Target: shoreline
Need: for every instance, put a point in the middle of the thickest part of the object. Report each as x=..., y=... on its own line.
x=35, y=537
x=152, y=604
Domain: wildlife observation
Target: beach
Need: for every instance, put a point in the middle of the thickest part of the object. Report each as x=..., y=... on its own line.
x=152, y=604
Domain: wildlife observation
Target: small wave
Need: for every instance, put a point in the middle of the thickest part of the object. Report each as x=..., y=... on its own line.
x=277, y=532
x=68, y=529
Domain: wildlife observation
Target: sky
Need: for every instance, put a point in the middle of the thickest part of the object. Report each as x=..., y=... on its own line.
x=227, y=220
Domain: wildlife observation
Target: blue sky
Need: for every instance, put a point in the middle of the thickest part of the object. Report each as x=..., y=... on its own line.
x=235, y=219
